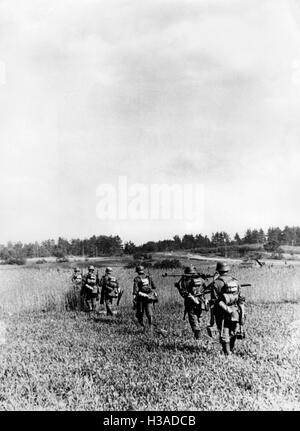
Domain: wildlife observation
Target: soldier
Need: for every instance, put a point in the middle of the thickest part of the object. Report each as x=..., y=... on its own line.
x=191, y=287
x=144, y=296
x=228, y=308
x=75, y=298
x=110, y=290
x=77, y=279
x=90, y=289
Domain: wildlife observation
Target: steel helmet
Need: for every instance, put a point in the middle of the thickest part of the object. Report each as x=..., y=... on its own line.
x=91, y=268
x=108, y=270
x=222, y=267
x=140, y=269
x=77, y=269
x=190, y=270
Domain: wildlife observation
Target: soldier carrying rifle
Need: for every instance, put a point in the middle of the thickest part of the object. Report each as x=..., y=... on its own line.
x=110, y=290
x=144, y=297
x=227, y=308
x=191, y=287
x=226, y=303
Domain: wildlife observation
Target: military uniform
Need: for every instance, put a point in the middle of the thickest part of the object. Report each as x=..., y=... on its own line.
x=144, y=296
x=90, y=289
x=228, y=310
x=74, y=298
x=77, y=279
x=110, y=290
x=191, y=287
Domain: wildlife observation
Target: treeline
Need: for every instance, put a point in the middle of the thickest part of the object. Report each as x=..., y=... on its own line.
x=270, y=240
x=92, y=247
x=113, y=245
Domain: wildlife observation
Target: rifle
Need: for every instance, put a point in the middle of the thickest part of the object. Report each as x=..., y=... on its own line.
x=205, y=276
x=187, y=275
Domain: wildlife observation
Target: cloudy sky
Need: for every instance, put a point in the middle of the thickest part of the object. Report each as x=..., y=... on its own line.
x=169, y=91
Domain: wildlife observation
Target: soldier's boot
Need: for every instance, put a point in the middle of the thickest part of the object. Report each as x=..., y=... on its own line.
x=226, y=348
x=232, y=344
x=197, y=334
x=142, y=325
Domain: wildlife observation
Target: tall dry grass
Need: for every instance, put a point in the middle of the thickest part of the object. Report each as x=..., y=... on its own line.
x=28, y=289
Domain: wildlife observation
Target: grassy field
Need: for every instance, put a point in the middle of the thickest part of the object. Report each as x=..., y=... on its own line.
x=55, y=358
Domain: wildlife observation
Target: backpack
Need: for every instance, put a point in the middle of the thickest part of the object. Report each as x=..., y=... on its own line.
x=230, y=290
x=112, y=283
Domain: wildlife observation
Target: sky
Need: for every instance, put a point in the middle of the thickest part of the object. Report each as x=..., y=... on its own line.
x=198, y=92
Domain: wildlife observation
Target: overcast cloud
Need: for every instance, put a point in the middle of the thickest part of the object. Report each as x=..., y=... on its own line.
x=160, y=91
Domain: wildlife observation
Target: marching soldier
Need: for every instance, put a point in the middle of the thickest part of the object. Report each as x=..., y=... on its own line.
x=75, y=298
x=110, y=290
x=191, y=287
x=90, y=289
x=144, y=296
x=77, y=279
x=228, y=308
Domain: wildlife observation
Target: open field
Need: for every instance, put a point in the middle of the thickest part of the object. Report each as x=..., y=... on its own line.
x=60, y=359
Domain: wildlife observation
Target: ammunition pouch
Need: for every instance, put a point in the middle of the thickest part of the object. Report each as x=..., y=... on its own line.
x=241, y=334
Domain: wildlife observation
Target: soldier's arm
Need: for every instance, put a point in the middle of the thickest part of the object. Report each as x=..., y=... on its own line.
x=216, y=289
x=226, y=308
x=135, y=287
x=152, y=284
x=82, y=286
x=109, y=288
x=183, y=288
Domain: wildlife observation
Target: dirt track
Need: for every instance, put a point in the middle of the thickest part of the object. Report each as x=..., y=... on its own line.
x=193, y=256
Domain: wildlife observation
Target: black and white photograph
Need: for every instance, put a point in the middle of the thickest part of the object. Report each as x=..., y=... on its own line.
x=149, y=219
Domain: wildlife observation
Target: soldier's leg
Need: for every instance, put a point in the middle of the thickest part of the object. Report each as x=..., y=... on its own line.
x=108, y=303
x=232, y=343
x=94, y=304
x=139, y=312
x=233, y=334
x=212, y=317
x=194, y=322
x=225, y=338
x=149, y=312
x=89, y=304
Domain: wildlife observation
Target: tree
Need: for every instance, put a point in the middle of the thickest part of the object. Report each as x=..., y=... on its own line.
x=274, y=234
x=129, y=247
x=177, y=242
x=237, y=239
x=261, y=236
